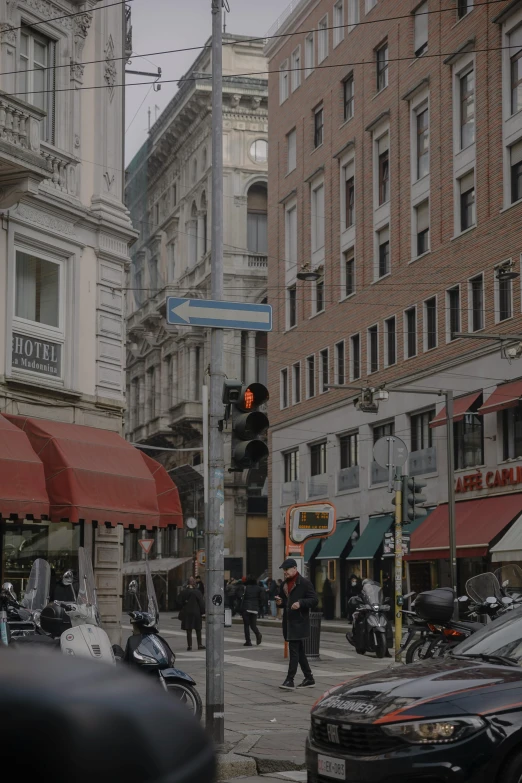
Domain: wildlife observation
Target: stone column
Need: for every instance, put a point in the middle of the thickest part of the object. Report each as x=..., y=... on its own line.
x=201, y=236
x=108, y=556
x=251, y=358
x=192, y=373
x=141, y=400
x=148, y=406
x=174, y=397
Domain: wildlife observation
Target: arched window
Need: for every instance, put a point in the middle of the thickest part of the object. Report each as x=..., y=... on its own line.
x=204, y=211
x=193, y=236
x=257, y=219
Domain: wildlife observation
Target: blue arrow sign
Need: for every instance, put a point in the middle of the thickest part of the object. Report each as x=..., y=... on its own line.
x=224, y=315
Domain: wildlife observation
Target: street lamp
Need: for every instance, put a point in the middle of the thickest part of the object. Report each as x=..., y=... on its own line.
x=308, y=275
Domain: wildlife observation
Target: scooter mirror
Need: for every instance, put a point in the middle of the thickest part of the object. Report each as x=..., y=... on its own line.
x=68, y=578
x=507, y=600
x=8, y=587
x=491, y=600
x=463, y=599
x=133, y=587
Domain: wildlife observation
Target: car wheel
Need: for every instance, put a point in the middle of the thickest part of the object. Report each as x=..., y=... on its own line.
x=380, y=645
x=413, y=653
x=512, y=772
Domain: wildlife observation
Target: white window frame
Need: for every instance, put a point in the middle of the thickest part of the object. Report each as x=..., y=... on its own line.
x=369, y=5
x=49, y=124
x=415, y=232
x=352, y=376
x=496, y=290
x=418, y=106
x=284, y=78
x=309, y=48
x=425, y=324
x=307, y=384
x=314, y=309
x=318, y=251
x=512, y=123
x=294, y=385
x=369, y=370
x=284, y=380
x=386, y=362
x=287, y=314
x=290, y=262
x=470, y=5
x=405, y=327
x=336, y=361
x=463, y=159
x=420, y=19
x=457, y=202
x=347, y=171
x=322, y=39
x=383, y=45
x=448, y=310
x=343, y=273
x=354, y=14
x=321, y=379
x=338, y=23
x=292, y=133
x=295, y=81
x=376, y=275
x=470, y=302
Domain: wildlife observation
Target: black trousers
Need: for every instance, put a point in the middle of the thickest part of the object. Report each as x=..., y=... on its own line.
x=250, y=622
x=198, y=637
x=298, y=656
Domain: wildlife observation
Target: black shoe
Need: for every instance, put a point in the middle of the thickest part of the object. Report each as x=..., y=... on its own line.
x=201, y=647
x=248, y=644
x=189, y=649
x=259, y=639
x=308, y=682
x=288, y=684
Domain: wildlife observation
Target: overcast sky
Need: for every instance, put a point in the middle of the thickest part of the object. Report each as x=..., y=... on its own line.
x=159, y=25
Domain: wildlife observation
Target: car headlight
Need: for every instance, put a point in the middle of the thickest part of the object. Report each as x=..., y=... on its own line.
x=441, y=732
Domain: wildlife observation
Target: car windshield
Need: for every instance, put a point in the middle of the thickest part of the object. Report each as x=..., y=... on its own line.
x=502, y=637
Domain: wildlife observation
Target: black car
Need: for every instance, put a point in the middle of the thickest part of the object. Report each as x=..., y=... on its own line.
x=451, y=720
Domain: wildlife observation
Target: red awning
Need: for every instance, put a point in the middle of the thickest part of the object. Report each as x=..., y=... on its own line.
x=506, y=396
x=460, y=407
x=478, y=522
x=92, y=474
x=22, y=478
x=168, y=496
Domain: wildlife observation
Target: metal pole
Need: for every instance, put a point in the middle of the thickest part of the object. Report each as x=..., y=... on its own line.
x=451, y=495
x=398, y=564
x=215, y=641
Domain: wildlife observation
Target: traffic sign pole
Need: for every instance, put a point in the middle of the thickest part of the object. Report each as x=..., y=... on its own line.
x=398, y=564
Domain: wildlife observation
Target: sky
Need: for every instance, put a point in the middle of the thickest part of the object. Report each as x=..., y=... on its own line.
x=160, y=25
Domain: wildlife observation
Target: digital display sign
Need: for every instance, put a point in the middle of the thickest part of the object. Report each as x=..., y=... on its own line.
x=314, y=520
x=310, y=520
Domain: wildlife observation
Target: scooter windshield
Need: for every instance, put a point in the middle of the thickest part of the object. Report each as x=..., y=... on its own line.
x=152, y=601
x=483, y=586
x=372, y=593
x=87, y=596
x=510, y=578
x=38, y=587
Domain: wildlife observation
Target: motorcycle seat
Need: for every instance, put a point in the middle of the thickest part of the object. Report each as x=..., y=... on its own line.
x=466, y=625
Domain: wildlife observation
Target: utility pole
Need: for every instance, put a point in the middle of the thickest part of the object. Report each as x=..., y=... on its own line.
x=451, y=494
x=215, y=522
x=398, y=564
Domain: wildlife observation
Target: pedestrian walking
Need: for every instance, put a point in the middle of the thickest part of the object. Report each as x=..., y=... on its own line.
x=200, y=585
x=251, y=606
x=192, y=610
x=272, y=592
x=297, y=596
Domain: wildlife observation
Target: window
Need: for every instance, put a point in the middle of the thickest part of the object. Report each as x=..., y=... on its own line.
x=390, y=341
x=515, y=54
x=296, y=382
x=291, y=145
x=349, y=272
x=257, y=239
x=310, y=379
x=283, y=82
x=296, y=68
x=349, y=198
x=469, y=441
x=453, y=305
x=383, y=431
x=422, y=219
x=476, y=295
x=319, y=296
x=355, y=358
x=349, y=450
x=464, y=7
x=322, y=40
x=467, y=108
x=512, y=432
x=410, y=317
x=318, y=127
x=348, y=97
x=421, y=29
x=318, y=217
x=259, y=151
x=421, y=432
x=194, y=179
x=467, y=201
x=430, y=323
x=373, y=349
x=291, y=239
x=516, y=171
x=153, y=272
x=37, y=296
x=339, y=363
x=353, y=14
x=37, y=63
x=318, y=459
x=370, y=4
x=325, y=371
x=284, y=388
x=291, y=465
x=504, y=297
x=338, y=20
x=381, y=55
x=423, y=142
x=384, y=170
x=309, y=55
x=292, y=306
x=383, y=238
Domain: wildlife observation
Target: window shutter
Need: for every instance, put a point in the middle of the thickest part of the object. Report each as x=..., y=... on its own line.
x=384, y=236
x=383, y=144
x=423, y=216
x=516, y=153
x=421, y=27
x=467, y=182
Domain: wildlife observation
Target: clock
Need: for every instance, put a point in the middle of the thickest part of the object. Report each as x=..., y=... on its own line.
x=191, y=523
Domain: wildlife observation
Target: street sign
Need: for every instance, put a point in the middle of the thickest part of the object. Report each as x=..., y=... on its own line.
x=146, y=544
x=224, y=315
x=310, y=520
x=399, y=451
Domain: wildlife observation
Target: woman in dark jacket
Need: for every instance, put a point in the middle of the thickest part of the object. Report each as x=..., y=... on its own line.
x=192, y=609
x=251, y=604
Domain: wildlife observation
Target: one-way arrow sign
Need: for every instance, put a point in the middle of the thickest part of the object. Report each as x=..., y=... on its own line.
x=224, y=315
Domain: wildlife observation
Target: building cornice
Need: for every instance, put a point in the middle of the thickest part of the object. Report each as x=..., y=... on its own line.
x=380, y=117
x=506, y=12
x=421, y=85
x=465, y=47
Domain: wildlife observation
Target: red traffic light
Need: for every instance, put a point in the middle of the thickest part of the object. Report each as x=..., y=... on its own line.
x=254, y=395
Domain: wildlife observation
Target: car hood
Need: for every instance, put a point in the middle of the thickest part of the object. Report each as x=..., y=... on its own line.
x=446, y=687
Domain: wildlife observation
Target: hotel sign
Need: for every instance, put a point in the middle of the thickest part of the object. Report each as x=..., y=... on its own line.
x=36, y=355
x=491, y=479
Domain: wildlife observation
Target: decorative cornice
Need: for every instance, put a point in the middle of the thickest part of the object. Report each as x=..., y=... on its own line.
x=466, y=46
x=344, y=148
x=377, y=120
x=421, y=85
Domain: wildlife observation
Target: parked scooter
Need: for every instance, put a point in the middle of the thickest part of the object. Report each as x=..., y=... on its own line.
x=370, y=628
x=148, y=650
x=23, y=617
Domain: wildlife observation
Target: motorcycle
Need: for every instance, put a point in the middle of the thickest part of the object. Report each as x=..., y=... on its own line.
x=148, y=650
x=510, y=579
x=23, y=618
x=370, y=626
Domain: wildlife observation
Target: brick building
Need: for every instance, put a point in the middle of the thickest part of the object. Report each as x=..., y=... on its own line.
x=395, y=173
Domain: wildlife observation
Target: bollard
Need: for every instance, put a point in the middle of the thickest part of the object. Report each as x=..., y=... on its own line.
x=311, y=645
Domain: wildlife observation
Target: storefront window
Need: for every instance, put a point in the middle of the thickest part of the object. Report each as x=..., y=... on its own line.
x=469, y=441
x=512, y=432
x=21, y=544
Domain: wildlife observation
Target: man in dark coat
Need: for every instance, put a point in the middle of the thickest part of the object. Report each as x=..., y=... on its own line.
x=192, y=609
x=251, y=605
x=297, y=596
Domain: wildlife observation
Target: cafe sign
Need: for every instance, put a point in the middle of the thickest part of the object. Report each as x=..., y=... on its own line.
x=492, y=479
x=36, y=355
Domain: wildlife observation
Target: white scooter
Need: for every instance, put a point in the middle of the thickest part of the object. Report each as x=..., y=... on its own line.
x=77, y=625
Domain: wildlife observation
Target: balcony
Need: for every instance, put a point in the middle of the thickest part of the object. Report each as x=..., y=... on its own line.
x=318, y=486
x=257, y=262
x=26, y=162
x=423, y=461
x=348, y=478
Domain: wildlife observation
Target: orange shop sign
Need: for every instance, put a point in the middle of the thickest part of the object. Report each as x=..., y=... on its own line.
x=492, y=479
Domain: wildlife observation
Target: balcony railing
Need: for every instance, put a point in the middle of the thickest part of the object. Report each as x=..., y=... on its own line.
x=318, y=486
x=423, y=461
x=348, y=478
x=290, y=493
x=257, y=262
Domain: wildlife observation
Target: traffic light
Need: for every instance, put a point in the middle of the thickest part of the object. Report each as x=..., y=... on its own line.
x=249, y=423
x=412, y=499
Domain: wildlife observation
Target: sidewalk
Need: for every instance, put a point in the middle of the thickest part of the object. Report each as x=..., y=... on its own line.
x=332, y=626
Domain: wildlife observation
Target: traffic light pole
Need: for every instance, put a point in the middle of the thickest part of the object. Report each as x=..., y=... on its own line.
x=215, y=522
x=398, y=564
x=451, y=496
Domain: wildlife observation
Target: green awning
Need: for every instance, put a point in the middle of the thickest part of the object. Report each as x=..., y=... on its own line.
x=334, y=546
x=311, y=548
x=372, y=538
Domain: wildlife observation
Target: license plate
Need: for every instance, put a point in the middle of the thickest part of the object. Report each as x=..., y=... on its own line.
x=331, y=768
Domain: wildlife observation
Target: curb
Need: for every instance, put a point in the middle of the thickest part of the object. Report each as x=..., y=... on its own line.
x=328, y=627
x=231, y=765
